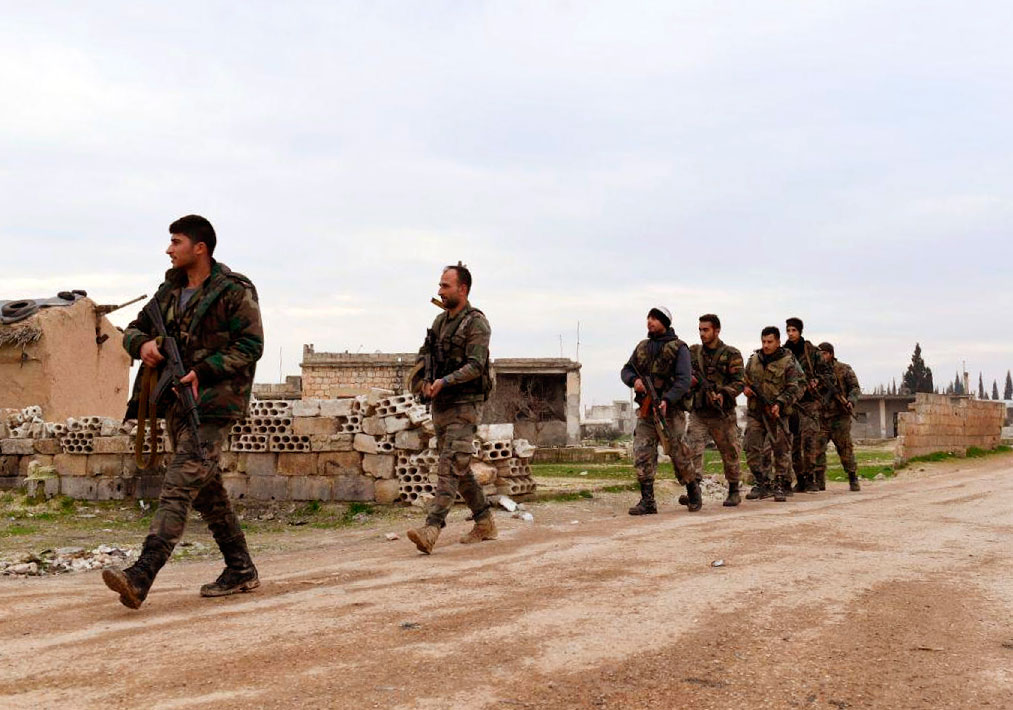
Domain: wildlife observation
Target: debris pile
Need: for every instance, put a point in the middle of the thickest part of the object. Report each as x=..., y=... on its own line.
x=66, y=559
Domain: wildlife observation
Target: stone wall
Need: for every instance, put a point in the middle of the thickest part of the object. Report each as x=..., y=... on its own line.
x=330, y=375
x=953, y=424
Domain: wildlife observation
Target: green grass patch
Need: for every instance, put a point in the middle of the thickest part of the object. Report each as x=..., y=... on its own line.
x=568, y=497
x=973, y=452
x=16, y=530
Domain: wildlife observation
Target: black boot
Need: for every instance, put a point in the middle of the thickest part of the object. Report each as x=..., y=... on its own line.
x=802, y=483
x=733, y=498
x=761, y=488
x=694, y=498
x=853, y=482
x=239, y=575
x=820, y=481
x=781, y=486
x=133, y=583
x=646, y=506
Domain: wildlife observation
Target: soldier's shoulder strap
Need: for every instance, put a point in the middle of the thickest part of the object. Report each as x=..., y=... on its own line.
x=243, y=281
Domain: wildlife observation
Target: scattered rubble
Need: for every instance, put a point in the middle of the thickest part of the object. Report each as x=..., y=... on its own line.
x=66, y=559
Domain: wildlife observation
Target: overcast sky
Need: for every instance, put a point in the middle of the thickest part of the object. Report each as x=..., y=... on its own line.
x=846, y=162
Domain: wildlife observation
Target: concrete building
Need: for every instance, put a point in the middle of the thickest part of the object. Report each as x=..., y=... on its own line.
x=619, y=416
x=878, y=415
x=539, y=396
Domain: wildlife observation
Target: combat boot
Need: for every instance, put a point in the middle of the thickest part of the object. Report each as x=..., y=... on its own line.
x=484, y=529
x=694, y=498
x=646, y=506
x=802, y=483
x=133, y=583
x=781, y=486
x=239, y=575
x=761, y=488
x=733, y=498
x=820, y=481
x=424, y=537
x=853, y=482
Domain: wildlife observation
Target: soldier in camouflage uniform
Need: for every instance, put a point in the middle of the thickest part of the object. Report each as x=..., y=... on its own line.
x=214, y=315
x=804, y=422
x=665, y=359
x=773, y=375
x=717, y=381
x=836, y=420
x=462, y=383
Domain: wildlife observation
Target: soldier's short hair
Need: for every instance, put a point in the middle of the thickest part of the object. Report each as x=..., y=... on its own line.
x=794, y=322
x=463, y=275
x=197, y=229
x=712, y=319
x=826, y=347
x=771, y=330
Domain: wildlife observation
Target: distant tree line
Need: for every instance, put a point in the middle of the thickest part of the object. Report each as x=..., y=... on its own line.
x=918, y=378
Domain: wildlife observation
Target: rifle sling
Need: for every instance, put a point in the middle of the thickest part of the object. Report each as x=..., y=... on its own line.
x=147, y=414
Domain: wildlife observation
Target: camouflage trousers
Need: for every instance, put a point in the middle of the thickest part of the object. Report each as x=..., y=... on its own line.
x=645, y=449
x=456, y=424
x=838, y=430
x=765, y=452
x=191, y=483
x=804, y=424
x=724, y=430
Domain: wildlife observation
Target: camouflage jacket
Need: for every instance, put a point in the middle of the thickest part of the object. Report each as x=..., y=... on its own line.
x=462, y=359
x=778, y=377
x=721, y=365
x=666, y=358
x=847, y=384
x=813, y=367
x=220, y=337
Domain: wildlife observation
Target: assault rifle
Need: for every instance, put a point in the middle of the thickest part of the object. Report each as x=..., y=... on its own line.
x=765, y=409
x=833, y=393
x=652, y=402
x=710, y=392
x=172, y=372
x=431, y=356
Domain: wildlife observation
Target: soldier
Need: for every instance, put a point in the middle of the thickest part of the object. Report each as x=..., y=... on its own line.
x=841, y=391
x=214, y=315
x=462, y=383
x=717, y=381
x=665, y=359
x=804, y=422
x=774, y=383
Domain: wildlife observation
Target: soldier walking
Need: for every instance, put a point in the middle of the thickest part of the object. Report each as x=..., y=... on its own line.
x=841, y=391
x=774, y=383
x=214, y=315
x=462, y=382
x=665, y=360
x=717, y=381
x=804, y=422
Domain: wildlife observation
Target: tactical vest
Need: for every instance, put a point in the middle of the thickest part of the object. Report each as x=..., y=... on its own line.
x=452, y=354
x=769, y=380
x=662, y=368
x=714, y=369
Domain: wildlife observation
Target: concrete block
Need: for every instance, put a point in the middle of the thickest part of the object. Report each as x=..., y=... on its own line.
x=113, y=445
x=378, y=465
x=110, y=489
x=339, y=463
x=79, y=487
x=373, y=426
x=48, y=447
x=364, y=443
x=258, y=464
x=42, y=487
x=386, y=491
x=105, y=465
x=235, y=485
x=337, y=407
x=395, y=424
x=310, y=488
x=146, y=486
x=297, y=464
x=376, y=394
x=334, y=442
x=71, y=464
x=410, y=440
x=306, y=408
x=353, y=488
x=228, y=461
x=17, y=447
x=496, y=432
x=314, y=426
x=8, y=466
x=267, y=487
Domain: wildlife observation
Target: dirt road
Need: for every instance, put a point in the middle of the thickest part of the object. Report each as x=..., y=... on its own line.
x=897, y=597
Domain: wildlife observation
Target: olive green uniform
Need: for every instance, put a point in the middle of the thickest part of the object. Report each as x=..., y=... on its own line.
x=721, y=366
x=462, y=361
x=804, y=422
x=836, y=422
x=780, y=379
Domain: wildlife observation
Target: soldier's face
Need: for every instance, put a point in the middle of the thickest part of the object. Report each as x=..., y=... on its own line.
x=827, y=357
x=655, y=326
x=708, y=334
x=183, y=253
x=793, y=333
x=770, y=343
x=451, y=292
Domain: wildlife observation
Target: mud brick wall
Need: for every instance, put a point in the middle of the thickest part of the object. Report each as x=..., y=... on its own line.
x=330, y=375
x=940, y=423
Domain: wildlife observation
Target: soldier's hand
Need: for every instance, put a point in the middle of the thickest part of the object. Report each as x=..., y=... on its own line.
x=150, y=355
x=718, y=399
x=850, y=406
x=434, y=389
x=748, y=391
x=775, y=411
x=663, y=408
x=190, y=378
x=813, y=384
x=638, y=386
x=694, y=382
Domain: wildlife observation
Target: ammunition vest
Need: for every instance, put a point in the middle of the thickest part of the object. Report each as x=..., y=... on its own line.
x=715, y=369
x=662, y=368
x=452, y=353
x=769, y=380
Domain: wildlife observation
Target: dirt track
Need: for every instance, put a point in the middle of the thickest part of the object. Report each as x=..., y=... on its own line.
x=897, y=597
